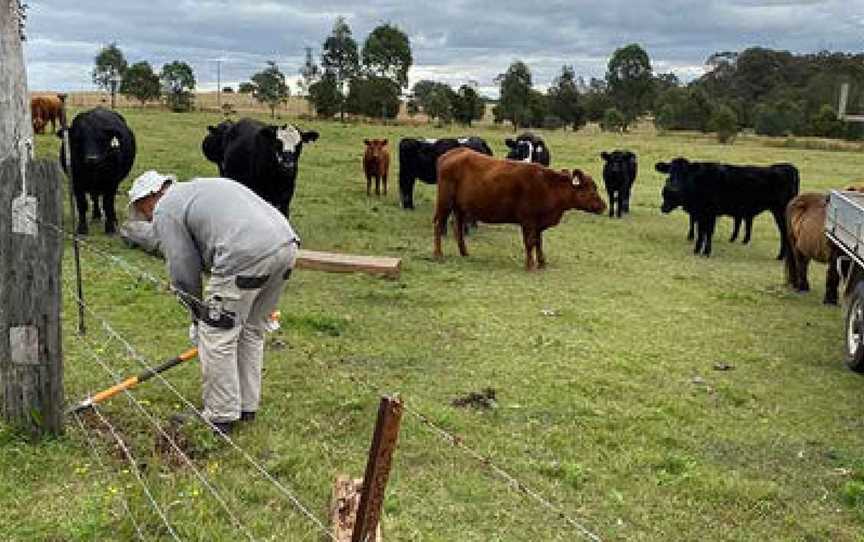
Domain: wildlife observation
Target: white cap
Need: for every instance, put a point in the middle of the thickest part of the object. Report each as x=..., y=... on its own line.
x=148, y=183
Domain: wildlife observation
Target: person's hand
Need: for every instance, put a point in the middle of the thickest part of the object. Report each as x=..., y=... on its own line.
x=193, y=333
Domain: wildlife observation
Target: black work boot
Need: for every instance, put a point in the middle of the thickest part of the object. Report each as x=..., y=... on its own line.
x=247, y=416
x=225, y=428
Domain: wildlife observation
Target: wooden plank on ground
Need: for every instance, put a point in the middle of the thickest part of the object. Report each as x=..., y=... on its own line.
x=348, y=263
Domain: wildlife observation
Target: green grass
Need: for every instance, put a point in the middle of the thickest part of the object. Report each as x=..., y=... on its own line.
x=609, y=405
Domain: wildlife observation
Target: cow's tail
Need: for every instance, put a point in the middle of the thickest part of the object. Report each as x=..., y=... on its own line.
x=796, y=181
x=794, y=208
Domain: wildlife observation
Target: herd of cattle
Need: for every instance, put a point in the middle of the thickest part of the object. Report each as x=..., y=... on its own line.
x=472, y=185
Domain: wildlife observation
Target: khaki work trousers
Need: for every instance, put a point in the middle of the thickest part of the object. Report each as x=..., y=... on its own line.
x=232, y=356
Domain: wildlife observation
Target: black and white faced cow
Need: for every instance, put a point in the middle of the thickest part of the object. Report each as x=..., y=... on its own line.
x=260, y=156
x=619, y=174
x=418, y=159
x=529, y=148
x=102, y=151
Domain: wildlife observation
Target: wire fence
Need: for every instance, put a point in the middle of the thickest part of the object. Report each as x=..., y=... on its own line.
x=133, y=467
x=138, y=273
x=217, y=496
x=97, y=455
x=135, y=355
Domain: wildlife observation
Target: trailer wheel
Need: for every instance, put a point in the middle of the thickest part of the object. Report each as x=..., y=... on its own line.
x=854, y=319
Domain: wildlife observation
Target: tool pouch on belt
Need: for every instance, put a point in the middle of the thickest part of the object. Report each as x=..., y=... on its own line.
x=215, y=314
x=251, y=283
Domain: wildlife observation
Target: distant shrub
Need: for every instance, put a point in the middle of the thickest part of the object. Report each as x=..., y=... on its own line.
x=683, y=109
x=724, y=121
x=826, y=124
x=781, y=118
x=665, y=118
x=613, y=120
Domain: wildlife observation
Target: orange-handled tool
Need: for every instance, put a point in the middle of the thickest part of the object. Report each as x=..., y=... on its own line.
x=133, y=381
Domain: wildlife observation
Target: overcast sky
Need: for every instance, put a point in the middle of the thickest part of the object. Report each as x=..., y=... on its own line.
x=454, y=41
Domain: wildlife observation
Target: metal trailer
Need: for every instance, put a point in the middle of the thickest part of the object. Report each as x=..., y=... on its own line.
x=844, y=228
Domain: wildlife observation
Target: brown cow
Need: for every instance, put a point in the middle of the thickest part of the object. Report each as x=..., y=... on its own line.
x=45, y=109
x=475, y=186
x=805, y=220
x=376, y=163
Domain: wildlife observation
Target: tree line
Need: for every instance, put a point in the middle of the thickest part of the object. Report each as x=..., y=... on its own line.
x=176, y=82
x=774, y=93
x=771, y=92
x=365, y=81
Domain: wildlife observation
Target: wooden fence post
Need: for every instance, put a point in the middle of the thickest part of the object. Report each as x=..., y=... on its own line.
x=356, y=506
x=15, y=124
x=31, y=364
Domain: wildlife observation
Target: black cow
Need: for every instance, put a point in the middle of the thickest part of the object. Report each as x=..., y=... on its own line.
x=102, y=150
x=707, y=190
x=261, y=156
x=213, y=145
x=619, y=174
x=417, y=159
x=528, y=148
x=736, y=228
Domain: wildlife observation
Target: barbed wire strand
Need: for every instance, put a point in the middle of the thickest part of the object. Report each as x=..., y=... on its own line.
x=511, y=480
x=134, y=468
x=426, y=421
x=186, y=459
x=459, y=443
x=135, y=272
x=140, y=359
x=95, y=452
x=132, y=270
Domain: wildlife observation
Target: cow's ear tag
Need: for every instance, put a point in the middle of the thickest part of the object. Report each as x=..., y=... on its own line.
x=115, y=143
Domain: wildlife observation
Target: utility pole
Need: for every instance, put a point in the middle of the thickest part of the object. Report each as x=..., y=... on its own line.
x=219, y=83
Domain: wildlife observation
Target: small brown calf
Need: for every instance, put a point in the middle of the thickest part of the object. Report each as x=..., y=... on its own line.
x=376, y=163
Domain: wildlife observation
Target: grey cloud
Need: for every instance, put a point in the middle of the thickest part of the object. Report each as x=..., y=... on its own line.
x=453, y=40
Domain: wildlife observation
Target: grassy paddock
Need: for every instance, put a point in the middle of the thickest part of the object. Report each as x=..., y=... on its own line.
x=608, y=400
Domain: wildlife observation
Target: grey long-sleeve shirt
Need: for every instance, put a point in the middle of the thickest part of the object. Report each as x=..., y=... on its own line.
x=215, y=225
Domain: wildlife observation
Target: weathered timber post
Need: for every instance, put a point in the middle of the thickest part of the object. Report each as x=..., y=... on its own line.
x=31, y=368
x=355, y=509
x=31, y=363
x=15, y=122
